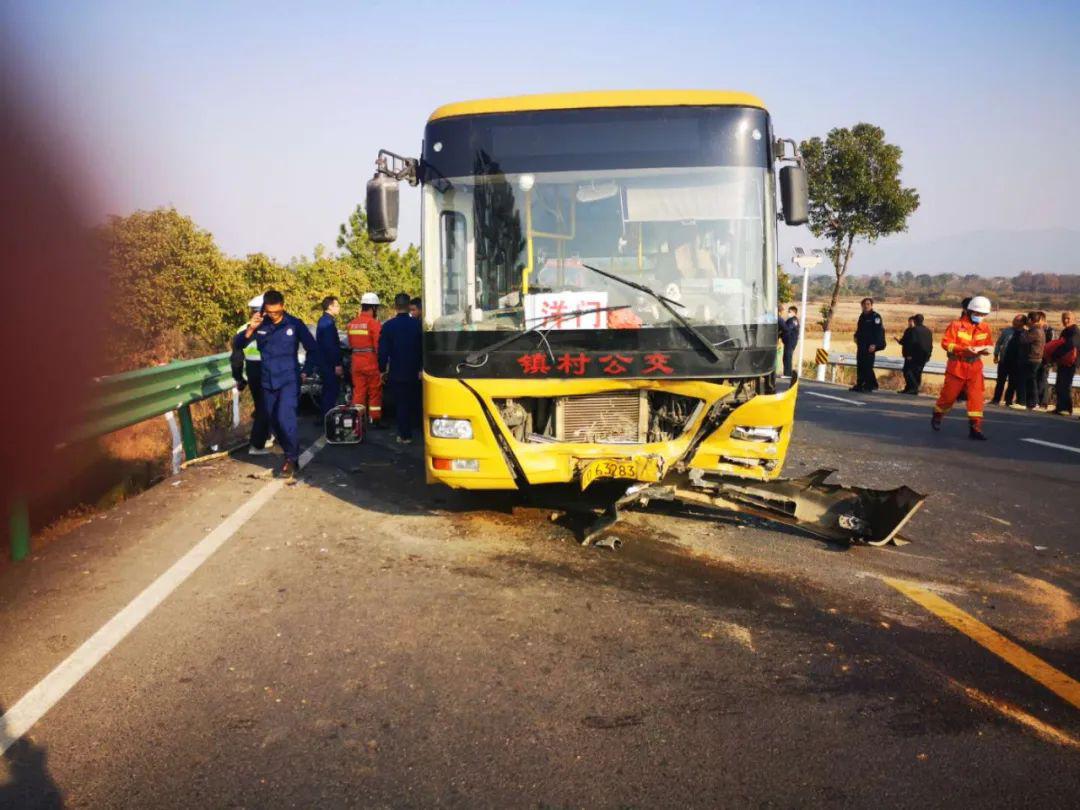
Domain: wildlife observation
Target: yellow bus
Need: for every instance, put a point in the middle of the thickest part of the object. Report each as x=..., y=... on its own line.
x=600, y=287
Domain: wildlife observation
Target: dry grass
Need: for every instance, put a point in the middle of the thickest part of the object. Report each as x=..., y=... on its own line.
x=895, y=317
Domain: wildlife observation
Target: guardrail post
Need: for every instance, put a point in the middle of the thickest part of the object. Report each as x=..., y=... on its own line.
x=19, y=528
x=187, y=433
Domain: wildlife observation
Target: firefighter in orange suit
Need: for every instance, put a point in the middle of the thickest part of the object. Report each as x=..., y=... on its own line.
x=966, y=340
x=364, y=341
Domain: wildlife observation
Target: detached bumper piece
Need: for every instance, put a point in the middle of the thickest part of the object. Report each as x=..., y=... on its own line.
x=830, y=511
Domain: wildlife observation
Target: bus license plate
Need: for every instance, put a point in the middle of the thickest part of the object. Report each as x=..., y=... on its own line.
x=608, y=468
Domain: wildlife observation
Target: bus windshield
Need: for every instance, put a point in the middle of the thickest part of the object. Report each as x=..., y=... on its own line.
x=514, y=250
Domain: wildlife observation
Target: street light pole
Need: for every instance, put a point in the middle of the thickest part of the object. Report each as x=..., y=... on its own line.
x=806, y=261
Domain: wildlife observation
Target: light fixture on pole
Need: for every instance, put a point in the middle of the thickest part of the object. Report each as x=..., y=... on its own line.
x=808, y=261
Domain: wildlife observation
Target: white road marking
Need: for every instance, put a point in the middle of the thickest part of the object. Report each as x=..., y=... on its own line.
x=22, y=716
x=838, y=399
x=309, y=454
x=1052, y=444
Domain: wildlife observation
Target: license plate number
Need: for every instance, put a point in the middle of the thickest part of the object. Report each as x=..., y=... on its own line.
x=608, y=469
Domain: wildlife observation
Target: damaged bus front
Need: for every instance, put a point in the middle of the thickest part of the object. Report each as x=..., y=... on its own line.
x=600, y=290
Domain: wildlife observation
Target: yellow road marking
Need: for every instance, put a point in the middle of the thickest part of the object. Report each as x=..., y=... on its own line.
x=1044, y=730
x=1034, y=667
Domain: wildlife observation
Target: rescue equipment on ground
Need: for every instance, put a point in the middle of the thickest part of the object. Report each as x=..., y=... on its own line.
x=344, y=424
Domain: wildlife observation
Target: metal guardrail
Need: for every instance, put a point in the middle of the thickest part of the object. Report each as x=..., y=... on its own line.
x=933, y=367
x=122, y=400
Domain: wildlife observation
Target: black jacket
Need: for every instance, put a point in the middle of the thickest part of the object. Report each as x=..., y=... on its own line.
x=870, y=331
x=789, y=331
x=917, y=343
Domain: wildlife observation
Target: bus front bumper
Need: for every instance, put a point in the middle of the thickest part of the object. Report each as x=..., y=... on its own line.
x=493, y=459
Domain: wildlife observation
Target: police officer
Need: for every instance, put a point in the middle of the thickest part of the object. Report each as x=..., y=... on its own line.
x=400, y=353
x=789, y=336
x=363, y=331
x=250, y=362
x=326, y=335
x=278, y=336
x=869, y=339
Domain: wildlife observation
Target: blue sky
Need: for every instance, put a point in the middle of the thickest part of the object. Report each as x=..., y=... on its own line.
x=262, y=120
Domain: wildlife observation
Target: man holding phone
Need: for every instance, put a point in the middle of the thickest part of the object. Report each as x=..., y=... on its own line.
x=278, y=336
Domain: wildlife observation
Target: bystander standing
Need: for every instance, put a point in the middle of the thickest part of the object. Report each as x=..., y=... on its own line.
x=1032, y=342
x=1064, y=358
x=1005, y=356
x=916, y=345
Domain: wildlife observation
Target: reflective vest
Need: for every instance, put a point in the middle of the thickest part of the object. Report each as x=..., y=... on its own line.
x=364, y=332
x=962, y=334
x=251, y=351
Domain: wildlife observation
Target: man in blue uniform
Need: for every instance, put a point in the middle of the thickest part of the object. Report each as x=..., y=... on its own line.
x=789, y=336
x=400, y=352
x=278, y=336
x=869, y=340
x=326, y=335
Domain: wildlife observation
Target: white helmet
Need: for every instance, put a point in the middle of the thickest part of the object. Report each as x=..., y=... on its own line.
x=256, y=302
x=980, y=305
x=369, y=299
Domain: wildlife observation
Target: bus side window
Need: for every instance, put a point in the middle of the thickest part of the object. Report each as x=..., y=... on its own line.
x=452, y=261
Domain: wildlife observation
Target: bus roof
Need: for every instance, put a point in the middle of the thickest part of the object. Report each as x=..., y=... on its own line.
x=599, y=98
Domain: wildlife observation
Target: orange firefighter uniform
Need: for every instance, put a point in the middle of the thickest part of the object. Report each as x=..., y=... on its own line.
x=367, y=382
x=964, y=371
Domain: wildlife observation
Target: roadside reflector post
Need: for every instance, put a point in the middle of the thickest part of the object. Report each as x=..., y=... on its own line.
x=826, y=342
x=19, y=529
x=187, y=433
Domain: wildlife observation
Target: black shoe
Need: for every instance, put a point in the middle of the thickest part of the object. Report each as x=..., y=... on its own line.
x=857, y=388
x=977, y=435
x=287, y=471
x=935, y=422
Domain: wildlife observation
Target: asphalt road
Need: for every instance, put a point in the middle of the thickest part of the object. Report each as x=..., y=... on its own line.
x=364, y=640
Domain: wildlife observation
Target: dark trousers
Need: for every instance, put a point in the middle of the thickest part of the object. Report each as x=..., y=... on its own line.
x=1042, y=381
x=789, y=353
x=1028, y=387
x=408, y=407
x=1005, y=384
x=1064, y=388
x=913, y=368
x=281, y=405
x=864, y=373
x=331, y=387
x=260, y=422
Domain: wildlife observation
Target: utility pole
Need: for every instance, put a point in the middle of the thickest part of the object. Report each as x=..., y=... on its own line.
x=808, y=261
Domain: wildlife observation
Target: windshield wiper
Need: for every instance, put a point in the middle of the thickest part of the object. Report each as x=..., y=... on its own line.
x=477, y=359
x=668, y=304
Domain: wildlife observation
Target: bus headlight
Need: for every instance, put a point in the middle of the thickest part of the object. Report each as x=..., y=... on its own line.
x=756, y=434
x=451, y=428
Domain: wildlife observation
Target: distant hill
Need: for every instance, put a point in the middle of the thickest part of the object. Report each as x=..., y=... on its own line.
x=987, y=253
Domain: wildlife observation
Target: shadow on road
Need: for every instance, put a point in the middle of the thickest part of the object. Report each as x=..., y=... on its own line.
x=26, y=781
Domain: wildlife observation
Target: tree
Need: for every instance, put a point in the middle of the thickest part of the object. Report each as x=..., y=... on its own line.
x=855, y=193
x=173, y=293
x=386, y=270
x=785, y=290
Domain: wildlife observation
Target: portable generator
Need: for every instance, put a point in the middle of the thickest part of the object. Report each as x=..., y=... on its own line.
x=345, y=424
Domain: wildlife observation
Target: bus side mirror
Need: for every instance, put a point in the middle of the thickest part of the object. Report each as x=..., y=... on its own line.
x=382, y=208
x=794, y=195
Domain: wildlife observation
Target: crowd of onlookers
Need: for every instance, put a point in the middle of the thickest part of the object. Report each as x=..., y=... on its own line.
x=1026, y=352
